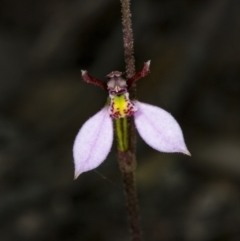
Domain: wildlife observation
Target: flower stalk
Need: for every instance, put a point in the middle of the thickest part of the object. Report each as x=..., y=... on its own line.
x=125, y=131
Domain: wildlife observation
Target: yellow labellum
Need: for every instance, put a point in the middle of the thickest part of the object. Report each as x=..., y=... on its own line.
x=121, y=106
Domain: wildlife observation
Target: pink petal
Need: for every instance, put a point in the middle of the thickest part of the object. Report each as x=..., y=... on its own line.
x=93, y=142
x=159, y=129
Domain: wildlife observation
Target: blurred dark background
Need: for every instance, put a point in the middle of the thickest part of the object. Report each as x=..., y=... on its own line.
x=195, y=52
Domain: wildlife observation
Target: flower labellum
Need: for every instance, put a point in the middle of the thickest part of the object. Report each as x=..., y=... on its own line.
x=156, y=126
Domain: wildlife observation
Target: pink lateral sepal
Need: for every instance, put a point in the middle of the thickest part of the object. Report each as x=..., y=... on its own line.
x=159, y=129
x=93, y=142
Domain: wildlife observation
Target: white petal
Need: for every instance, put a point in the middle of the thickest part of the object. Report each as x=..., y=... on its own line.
x=159, y=129
x=93, y=142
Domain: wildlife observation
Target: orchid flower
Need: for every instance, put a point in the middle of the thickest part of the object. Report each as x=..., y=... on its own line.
x=156, y=126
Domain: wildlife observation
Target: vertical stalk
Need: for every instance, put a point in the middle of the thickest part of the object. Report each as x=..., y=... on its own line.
x=127, y=164
x=125, y=132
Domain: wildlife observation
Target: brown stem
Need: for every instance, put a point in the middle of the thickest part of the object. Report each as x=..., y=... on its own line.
x=132, y=205
x=127, y=159
x=127, y=164
x=128, y=38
